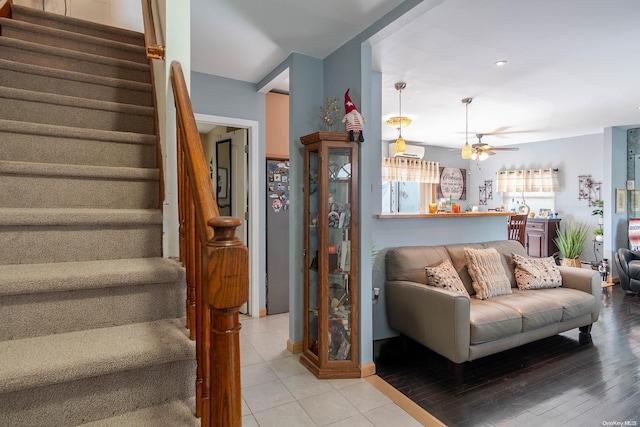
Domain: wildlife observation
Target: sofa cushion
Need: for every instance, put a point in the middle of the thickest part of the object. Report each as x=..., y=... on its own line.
x=535, y=312
x=506, y=248
x=459, y=262
x=445, y=276
x=487, y=273
x=536, y=273
x=574, y=303
x=408, y=262
x=491, y=321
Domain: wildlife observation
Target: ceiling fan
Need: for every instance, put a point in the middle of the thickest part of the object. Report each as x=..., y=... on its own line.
x=481, y=151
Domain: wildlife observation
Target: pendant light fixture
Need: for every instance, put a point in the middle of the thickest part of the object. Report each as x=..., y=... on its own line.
x=467, y=151
x=400, y=146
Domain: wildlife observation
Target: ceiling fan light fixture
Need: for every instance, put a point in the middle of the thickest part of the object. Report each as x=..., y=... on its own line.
x=474, y=155
x=483, y=156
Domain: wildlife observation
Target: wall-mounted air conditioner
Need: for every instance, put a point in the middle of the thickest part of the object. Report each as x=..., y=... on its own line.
x=413, y=151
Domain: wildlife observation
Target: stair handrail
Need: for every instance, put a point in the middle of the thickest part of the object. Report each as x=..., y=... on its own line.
x=217, y=272
x=5, y=8
x=154, y=50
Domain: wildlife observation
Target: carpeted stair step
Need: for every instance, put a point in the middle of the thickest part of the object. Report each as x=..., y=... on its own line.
x=36, y=107
x=26, y=142
x=66, y=59
x=34, y=236
x=50, y=80
x=177, y=413
x=47, y=36
x=54, y=298
x=52, y=20
x=49, y=185
x=72, y=378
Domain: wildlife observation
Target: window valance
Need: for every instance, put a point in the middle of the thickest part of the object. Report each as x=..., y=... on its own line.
x=527, y=180
x=404, y=169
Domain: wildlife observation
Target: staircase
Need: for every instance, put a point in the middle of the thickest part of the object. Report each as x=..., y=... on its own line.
x=91, y=315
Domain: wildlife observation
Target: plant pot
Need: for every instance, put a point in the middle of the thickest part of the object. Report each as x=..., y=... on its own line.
x=600, y=221
x=571, y=262
x=599, y=238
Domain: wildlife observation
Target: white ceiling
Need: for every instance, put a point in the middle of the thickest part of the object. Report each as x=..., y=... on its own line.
x=573, y=65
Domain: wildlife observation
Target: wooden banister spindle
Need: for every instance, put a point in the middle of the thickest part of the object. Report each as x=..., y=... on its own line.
x=226, y=290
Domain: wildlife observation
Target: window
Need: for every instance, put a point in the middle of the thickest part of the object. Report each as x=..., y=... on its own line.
x=408, y=184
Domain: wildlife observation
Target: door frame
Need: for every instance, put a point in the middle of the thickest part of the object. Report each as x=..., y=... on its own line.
x=254, y=201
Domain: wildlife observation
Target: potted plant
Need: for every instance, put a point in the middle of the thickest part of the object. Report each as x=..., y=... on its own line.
x=599, y=233
x=570, y=241
x=599, y=210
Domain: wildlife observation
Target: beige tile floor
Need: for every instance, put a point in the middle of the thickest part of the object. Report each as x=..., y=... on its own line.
x=278, y=391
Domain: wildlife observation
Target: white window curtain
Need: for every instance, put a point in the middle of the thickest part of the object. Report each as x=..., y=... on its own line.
x=414, y=170
x=527, y=180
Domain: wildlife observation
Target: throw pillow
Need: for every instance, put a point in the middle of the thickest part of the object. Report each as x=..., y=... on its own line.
x=487, y=273
x=536, y=273
x=446, y=277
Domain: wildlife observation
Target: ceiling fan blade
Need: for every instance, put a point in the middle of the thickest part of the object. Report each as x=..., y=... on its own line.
x=505, y=149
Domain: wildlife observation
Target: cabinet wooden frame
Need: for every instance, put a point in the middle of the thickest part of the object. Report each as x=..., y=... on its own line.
x=540, y=237
x=319, y=362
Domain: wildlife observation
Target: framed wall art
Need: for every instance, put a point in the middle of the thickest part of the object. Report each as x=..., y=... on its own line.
x=621, y=200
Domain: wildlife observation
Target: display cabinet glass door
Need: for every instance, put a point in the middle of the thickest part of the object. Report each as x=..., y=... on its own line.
x=312, y=278
x=339, y=254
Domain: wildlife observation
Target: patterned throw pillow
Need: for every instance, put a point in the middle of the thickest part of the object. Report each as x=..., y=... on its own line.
x=487, y=273
x=536, y=273
x=446, y=277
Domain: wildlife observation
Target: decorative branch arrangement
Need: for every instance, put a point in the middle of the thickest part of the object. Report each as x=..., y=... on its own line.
x=590, y=190
x=330, y=112
x=485, y=192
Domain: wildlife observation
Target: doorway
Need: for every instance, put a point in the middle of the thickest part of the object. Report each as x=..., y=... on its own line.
x=241, y=184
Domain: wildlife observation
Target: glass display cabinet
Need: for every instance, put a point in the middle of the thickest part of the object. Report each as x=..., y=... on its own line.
x=330, y=347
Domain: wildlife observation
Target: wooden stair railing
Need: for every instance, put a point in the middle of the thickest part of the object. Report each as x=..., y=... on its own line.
x=216, y=262
x=5, y=9
x=217, y=273
x=154, y=50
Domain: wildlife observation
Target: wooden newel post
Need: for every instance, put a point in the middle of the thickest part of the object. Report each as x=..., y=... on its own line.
x=225, y=291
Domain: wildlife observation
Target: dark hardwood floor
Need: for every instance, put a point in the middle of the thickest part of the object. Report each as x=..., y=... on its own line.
x=552, y=382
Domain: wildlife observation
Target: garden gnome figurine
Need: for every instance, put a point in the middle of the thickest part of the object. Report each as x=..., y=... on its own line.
x=353, y=119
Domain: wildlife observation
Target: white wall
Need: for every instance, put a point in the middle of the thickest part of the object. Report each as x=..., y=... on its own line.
x=118, y=13
x=175, y=20
x=582, y=155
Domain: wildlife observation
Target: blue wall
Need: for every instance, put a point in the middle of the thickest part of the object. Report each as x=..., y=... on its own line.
x=305, y=99
x=219, y=96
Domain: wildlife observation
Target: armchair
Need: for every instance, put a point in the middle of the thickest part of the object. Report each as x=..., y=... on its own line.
x=628, y=263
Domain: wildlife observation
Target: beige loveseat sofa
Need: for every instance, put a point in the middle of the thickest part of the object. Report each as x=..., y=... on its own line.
x=463, y=328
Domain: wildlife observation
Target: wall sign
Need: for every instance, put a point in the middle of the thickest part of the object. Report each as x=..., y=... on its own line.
x=453, y=184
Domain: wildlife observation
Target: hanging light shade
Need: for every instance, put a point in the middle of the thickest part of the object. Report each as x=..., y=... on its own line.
x=397, y=121
x=401, y=146
x=467, y=151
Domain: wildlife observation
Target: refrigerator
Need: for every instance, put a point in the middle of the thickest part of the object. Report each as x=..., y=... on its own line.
x=277, y=284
